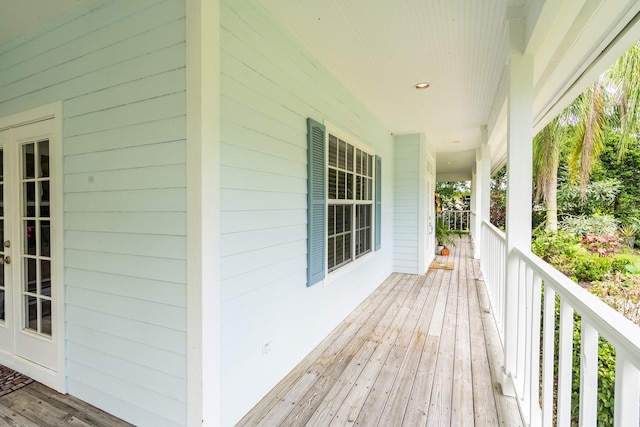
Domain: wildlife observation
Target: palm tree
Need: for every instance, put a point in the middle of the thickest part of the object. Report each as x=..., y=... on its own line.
x=611, y=101
x=547, y=145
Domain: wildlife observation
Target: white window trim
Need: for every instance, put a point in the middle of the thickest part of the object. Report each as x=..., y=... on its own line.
x=332, y=276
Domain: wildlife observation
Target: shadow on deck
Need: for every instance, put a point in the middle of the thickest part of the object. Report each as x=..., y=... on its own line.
x=421, y=350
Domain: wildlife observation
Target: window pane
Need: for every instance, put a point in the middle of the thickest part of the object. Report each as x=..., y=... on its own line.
x=333, y=184
x=370, y=189
x=350, y=157
x=2, y=315
x=331, y=252
x=28, y=161
x=45, y=278
x=358, y=161
x=29, y=199
x=333, y=150
x=349, y=186
x=30, y=276
x=43, y=164
x=31, y=313
x=331, y=216
x=46, y=317
x=342, y=154
x=30, y=237
x=342, y=185
x=45, y=236
x=339, y=218
x=369, y=165
x=44, y=198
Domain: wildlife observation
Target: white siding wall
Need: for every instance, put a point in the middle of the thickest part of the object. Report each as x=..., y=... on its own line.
x=119, y=68
x=270, y=85
x=407, y=203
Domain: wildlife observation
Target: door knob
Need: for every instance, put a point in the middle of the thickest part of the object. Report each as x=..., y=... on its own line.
x=5, y=259
x=7, y=243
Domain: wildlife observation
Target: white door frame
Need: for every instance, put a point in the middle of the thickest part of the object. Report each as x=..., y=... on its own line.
x=50, y=377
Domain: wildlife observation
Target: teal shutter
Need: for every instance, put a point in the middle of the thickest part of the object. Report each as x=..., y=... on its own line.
x=316, y=202
x=378, y=225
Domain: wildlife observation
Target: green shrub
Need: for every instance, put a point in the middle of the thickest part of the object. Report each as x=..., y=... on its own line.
x=589, y=267
x=553, y=246
x=596, y=224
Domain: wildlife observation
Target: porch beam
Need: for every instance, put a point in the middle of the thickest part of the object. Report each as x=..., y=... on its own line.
x=519, y=179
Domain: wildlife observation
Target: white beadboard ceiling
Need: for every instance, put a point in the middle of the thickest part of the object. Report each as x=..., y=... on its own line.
x=380, y=49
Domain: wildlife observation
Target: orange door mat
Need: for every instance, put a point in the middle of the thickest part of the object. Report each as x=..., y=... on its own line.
x=441, y=265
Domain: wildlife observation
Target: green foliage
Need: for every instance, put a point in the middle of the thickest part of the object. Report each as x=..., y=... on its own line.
x=554, y=247
x=586, y=267
x=444, y=235
x=583, y=225
x=600, y=197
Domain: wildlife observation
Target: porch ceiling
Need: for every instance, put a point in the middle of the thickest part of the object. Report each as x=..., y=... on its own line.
x=381, y=49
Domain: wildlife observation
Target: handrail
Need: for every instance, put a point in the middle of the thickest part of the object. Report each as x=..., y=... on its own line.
x=529, y=370
x=613, y=326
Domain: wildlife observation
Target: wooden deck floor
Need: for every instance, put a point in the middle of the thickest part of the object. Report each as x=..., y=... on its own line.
x=36, y=405
x=420, y=351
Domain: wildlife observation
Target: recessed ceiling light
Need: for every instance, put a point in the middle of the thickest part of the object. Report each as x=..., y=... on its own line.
x=423, y=85
x=456, y=142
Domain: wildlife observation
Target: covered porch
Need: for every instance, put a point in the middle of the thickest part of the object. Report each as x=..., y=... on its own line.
x=421, y=350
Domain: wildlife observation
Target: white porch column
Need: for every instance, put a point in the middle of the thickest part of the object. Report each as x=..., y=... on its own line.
x=519, y=170
x=483, y=191
x=203, y=212
x=473, y=205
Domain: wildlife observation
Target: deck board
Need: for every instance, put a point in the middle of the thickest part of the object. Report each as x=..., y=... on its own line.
x=420, y=351
x=38, y=405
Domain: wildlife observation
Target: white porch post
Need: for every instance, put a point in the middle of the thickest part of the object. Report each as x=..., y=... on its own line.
x=473, y=205
x=203, y=212
x=519, y=170
x=482, y=192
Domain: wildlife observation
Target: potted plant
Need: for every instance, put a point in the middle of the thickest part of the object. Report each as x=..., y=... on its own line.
x=444, y=236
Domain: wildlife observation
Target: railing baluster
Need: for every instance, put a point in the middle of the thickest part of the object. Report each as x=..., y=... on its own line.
x=548, y=354
x=534, y=354
x=565, y=364
x=626, y=409
x=588, y=374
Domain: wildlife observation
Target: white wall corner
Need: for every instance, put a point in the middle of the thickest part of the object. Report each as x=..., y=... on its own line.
x=203, y=212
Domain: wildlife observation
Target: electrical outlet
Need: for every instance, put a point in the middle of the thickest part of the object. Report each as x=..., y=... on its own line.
x=266, y=347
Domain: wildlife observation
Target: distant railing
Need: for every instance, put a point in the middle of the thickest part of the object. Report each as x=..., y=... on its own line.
x=535, y=317
x=456, y=220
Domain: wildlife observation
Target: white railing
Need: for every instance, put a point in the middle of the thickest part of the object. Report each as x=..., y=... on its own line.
x=493, y=262
x=535, y=317
x=456, y=220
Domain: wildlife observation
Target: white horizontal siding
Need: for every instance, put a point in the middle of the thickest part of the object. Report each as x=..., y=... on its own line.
x=406, y=203
x=119, y=68
x=270, y=85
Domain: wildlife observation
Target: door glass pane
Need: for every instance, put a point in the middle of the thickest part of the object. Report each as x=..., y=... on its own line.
x=29, y=199
x=45, y=235
x=44, y=198
x=45, y=323
x=30, y=237
x=45, y=278
x=31, y=313
x=30, y=275
x=43, y=163
x=28, y=161
x=2, y=315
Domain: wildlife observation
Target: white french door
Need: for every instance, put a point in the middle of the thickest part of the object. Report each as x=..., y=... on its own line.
x=29, y=335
